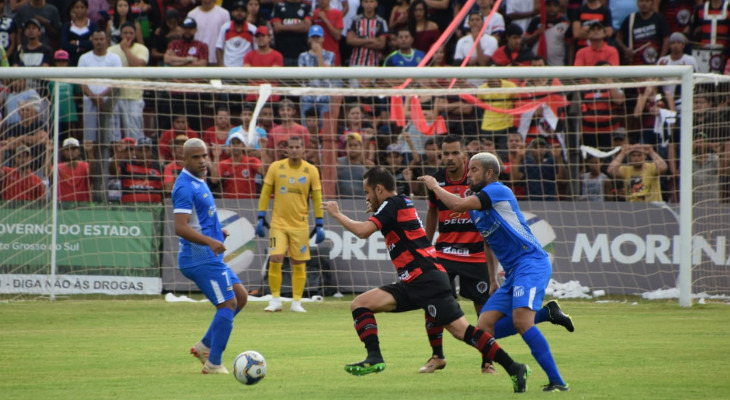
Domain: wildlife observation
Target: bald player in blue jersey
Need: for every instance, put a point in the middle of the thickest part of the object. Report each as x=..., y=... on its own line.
x=201, y=254
x=494, y=210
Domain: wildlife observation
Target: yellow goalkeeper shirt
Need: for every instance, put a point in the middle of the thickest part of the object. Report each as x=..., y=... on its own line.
x=291, y=188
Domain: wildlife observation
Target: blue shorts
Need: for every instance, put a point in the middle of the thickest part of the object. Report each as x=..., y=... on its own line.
x=215, y=280
x=524, y=287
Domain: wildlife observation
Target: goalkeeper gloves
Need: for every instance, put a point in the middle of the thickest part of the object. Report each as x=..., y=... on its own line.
x=319, y=231
x=260, y=231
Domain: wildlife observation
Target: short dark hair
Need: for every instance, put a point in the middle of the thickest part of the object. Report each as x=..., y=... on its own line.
x=128, y=24
x=453, y=139
x=429, y=142
x=380, y=176
x=295, y=138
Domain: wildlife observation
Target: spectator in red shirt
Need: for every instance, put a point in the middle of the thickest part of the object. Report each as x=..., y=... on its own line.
x=74, y=179
x=179, y=127
x=263, y=56
x=331, y=21
x=20, y=183
x=174, y=167
x=599, y=50
x=216, y=135
x=238, y=173
x=278, y=137
x=187, y=51
x=514, y=53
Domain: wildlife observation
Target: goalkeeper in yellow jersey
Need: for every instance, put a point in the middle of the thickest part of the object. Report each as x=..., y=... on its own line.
x=291, y=180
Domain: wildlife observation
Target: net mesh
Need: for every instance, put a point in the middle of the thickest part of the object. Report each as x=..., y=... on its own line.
x=607, y=224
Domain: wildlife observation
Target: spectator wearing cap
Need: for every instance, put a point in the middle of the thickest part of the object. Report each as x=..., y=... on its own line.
x=406, y=55
x=170, y=29
x=254, y=143
x=141, y=178
x=130, y=103
x=367, y=35
x=291, y=20
x=187, y=51
x=590, y=12
x=316, y=56
x=76, y=33
x=264, y=55
x=351, y=168
x=513, y=53
x=486, y=46
x=74, y=175
x=98, y=99
x=279, y=136
x=175, y=165
x=179, y=127
x=47, y=17
x=68, y=115
x=540, y=167
x=598, y=50
x=33, y=52
x=554, y=33
x=640, y=178
x=676, y=56
x=237, y=173
x=209, y=18
x=643, y=37
x=18, y=182
x=235, y=38
x=332, y=23
x=7, y=32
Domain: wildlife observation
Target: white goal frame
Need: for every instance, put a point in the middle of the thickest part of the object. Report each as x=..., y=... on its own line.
x=683, y=74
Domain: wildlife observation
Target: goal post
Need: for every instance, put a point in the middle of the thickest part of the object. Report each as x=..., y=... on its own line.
x=359, y=265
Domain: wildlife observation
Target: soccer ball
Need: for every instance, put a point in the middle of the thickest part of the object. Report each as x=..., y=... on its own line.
x=249, y=367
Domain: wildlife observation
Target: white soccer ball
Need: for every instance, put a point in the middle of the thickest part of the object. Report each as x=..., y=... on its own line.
x=249, y=367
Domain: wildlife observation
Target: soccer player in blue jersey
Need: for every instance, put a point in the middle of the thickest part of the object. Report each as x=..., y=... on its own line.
x=494, y=210
x=201, y=254
x=422, y=281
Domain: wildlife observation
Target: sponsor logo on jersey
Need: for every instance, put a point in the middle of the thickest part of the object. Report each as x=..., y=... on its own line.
x=518, y=291
x=283, y=189
x=455, y=252
x=303, y=249
x=302, y=179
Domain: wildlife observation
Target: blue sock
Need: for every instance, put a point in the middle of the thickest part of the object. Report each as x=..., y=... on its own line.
x=541, y=351
x=206, y=339
x=220, y=331
x=542, y=315
x=504, y=327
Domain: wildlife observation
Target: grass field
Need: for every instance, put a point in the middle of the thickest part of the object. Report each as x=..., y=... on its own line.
x=138, y=349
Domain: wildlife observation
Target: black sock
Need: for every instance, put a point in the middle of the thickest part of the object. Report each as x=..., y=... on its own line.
x=485, y=343
x=367, y=330
x=435, y=336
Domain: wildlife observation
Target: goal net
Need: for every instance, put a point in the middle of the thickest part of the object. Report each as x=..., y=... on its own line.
x=86, y=180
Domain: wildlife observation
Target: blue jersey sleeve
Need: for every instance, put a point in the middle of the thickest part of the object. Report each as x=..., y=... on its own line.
x=498, y=192
x=182, y=198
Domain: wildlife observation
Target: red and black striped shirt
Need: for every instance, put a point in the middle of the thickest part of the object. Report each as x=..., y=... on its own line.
x=367, y=28
x=411, y=252
x=598, y=112
x=458, y=239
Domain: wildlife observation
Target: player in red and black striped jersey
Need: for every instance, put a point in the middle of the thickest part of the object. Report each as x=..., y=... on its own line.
x=459, y=246
x=422, y=281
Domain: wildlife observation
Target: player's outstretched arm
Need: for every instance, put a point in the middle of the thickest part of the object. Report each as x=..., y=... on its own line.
x=450, y=200
x=361, y=229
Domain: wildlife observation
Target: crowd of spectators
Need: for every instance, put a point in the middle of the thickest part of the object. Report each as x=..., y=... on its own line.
x=112, y=151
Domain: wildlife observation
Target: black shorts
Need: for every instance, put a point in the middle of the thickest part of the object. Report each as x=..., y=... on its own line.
x=473, y=279
x=431, y=292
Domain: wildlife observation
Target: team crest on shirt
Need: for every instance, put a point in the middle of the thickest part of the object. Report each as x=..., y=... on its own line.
x=302, y=179
x=482, y=287
x=431, y=310
x=292, y=180
x=211, y=211
x=205, y=195
x=245, y=173
x=303, y=249
x=683, y=17
x=283, y=189
x=518, y=291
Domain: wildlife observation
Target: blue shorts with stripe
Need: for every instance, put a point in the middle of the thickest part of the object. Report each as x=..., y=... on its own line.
x=524, y=287
x=215, y=280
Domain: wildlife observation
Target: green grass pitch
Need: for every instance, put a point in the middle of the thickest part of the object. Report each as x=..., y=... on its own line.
x=139, y=349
